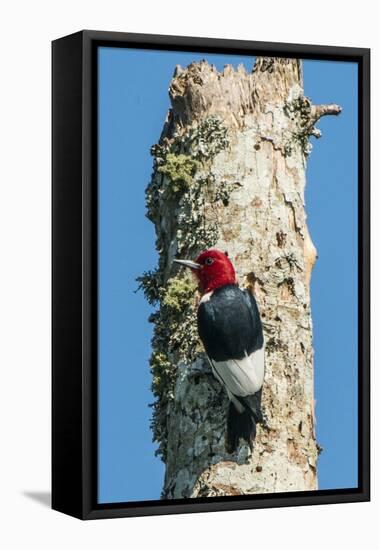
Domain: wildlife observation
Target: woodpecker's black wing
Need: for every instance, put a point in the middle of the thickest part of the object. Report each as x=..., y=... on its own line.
x=229, y=324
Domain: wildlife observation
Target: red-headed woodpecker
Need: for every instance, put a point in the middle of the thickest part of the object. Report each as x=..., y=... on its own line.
x=230, y=329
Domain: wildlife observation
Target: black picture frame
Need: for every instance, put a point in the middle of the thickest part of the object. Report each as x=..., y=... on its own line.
x=74, y=274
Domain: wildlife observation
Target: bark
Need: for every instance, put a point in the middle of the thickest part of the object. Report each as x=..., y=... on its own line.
x=229, y=172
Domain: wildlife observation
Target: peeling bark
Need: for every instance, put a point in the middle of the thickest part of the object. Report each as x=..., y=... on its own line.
x=261, y=221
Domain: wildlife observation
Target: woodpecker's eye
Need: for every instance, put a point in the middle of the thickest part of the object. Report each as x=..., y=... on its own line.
x=208, y=261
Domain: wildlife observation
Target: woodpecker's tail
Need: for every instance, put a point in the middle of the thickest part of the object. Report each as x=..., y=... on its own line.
x=243, y=424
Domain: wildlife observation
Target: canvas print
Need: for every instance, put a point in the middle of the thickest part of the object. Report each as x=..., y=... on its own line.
x=227, y=275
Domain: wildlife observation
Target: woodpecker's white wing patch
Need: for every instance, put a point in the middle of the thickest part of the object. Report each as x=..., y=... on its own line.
x=237, y=404
x=241, y=377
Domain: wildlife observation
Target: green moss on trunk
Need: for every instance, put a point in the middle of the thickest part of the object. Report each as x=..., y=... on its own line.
x=182, y=178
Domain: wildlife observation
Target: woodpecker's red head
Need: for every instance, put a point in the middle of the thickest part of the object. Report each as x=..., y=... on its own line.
x=213, y=269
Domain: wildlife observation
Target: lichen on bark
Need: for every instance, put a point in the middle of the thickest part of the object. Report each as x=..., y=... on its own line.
x=229, y=172
x=184, y=186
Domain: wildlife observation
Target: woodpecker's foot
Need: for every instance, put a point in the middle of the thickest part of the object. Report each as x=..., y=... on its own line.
x=229, y=448
x=199, y=366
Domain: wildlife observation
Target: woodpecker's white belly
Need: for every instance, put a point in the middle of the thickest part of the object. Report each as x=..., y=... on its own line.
x=206, y=297
x=241, y=377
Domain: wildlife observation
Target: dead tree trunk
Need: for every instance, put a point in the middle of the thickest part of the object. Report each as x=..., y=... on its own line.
x=229, y=172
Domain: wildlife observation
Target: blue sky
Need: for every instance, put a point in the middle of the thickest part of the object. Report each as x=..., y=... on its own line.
x=133, y=102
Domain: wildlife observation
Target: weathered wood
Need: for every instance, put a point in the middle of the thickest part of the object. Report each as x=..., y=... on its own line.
x=230, y=172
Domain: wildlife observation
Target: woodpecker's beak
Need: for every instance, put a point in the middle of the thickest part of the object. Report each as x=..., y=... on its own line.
x=188, y=263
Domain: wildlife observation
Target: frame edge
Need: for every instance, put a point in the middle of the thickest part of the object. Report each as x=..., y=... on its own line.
x=67, y=476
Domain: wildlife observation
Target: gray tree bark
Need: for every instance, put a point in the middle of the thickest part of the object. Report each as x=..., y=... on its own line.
x=229, y=173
